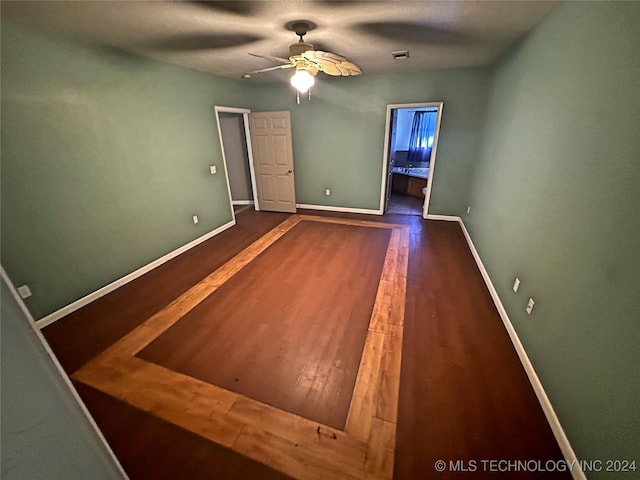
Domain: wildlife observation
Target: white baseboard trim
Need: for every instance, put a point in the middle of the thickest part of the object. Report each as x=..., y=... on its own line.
x=242, y=202
x=72, y=307
x=563, y=442
x=448, y=218
x=17, y=296
x=63, y=374
x=329, y=208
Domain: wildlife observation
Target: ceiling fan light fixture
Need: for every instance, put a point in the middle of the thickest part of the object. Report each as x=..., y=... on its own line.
x=302, y=80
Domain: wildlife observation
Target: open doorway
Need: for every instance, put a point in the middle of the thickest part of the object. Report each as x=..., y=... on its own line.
x=233, y=131
x=411, y=142
x=257, y=152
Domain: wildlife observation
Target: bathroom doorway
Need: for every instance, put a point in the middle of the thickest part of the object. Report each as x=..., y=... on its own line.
x=411, y=141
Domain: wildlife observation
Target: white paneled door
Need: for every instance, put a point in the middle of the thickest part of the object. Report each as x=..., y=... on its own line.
x=273, y=160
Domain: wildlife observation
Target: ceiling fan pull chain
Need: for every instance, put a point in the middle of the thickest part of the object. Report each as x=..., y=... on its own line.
x=297, y=97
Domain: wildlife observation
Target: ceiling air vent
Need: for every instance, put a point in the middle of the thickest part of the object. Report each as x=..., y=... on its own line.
x=400, y=54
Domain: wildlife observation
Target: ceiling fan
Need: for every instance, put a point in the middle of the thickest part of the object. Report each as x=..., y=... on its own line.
x=307, y=61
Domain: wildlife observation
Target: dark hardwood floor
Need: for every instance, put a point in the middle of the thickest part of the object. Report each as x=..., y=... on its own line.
x=401, y=204
x=150, y=448
x=287, y=336
x=464, y=395
x=83, y=334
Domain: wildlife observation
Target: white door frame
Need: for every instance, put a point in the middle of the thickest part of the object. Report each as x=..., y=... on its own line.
x=432, y=160
x=247, y=134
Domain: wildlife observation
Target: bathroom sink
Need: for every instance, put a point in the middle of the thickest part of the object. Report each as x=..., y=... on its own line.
x=419, y=172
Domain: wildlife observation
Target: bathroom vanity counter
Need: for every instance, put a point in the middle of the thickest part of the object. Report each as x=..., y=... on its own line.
x=411, y=172
x=409, y=181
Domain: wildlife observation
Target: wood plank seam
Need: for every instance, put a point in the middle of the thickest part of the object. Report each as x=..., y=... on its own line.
x=294, y=445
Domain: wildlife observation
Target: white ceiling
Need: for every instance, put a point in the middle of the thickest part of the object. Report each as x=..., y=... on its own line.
x=217, y=36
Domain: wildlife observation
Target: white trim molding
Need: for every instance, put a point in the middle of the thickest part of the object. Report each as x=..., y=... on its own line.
x=329, y=208
x=448, y=218
x=72, y=307
x=243, y=202
x=217, y=111
x=386, y=164
x=563, y=442
x=247, y=135
x=63, y=374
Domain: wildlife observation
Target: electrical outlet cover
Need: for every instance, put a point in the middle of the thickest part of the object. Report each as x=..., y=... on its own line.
x=530, y=306
x=24, y=291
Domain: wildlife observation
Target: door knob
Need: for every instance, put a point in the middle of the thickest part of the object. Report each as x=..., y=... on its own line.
x=289, y=172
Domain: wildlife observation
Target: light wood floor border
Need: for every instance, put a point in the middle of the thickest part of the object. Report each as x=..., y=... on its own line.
x=294, y=445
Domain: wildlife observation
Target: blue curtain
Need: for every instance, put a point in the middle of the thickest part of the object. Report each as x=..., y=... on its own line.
x=419, y=148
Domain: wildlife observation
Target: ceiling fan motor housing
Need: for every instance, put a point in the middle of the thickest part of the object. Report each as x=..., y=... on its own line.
x=299, y=48
x=300, y=27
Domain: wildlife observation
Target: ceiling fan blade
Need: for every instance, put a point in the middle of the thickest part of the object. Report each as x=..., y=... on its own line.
x=331, y=63
x=348, y=68
x=273, y=59
x=288, y=65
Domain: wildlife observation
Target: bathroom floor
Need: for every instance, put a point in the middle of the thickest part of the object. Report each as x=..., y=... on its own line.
x=404, y=205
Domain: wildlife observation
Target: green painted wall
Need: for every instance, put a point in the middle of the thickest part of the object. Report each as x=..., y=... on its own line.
x=338, y=136
x=555, y=201
x=105, y=155
x=104, y=162
x=105, y=159
x=44, y=432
